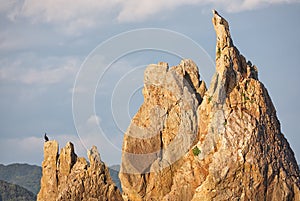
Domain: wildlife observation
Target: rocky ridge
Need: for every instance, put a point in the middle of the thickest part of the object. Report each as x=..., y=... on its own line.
x=69, y=177
x=224, y=143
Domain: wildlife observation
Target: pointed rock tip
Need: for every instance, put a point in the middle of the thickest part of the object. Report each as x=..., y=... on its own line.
x=221, y=27
x=215, y=12
x=93, y=155
x=69, y=144
x=219, y=20
x=217, y=15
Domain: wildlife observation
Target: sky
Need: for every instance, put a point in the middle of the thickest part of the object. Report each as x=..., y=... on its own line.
x=74, y=69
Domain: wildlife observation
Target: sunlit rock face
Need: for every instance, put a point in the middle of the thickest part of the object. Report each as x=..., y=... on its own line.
x=68, y=177
x=188, y=142
x=224, y=143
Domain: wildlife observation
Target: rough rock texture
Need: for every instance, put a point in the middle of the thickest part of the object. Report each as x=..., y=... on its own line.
x=68, y=177
x=162, y=131
x=186, y=143
x=239, y=133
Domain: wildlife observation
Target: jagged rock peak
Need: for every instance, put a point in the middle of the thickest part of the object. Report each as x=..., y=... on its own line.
x=220, y=144
x=239, y=133
x=222, y=30
x=227, y=55
x=69, y=177
x=231, y=66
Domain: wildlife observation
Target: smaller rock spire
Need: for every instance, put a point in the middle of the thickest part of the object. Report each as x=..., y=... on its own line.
x=68, y=177
x=93, y=155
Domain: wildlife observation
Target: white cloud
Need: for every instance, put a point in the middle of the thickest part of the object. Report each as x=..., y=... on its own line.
x=56, y=10
x=138, y=10
x=79, y=14
x=48, y=76
x=48, y=71
x=93, y=120
x=71, y=16
x=13, y=40
x=243, y=5
x=21, y=150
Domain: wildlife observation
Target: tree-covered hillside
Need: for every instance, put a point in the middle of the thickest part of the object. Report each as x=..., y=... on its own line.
x=24, y=175
x=13, y=192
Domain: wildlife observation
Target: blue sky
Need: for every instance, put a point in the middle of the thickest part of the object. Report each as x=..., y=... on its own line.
x=44, y=44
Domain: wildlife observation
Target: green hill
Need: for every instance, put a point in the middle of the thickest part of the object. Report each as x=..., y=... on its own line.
x=24, y=175
x=13, y=192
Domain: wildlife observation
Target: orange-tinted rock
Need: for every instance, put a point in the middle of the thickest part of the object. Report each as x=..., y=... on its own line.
x=68, y=177
x=186, y=143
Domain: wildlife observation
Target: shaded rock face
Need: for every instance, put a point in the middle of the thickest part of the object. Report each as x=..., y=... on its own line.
x=186, y=143
x=68, y=177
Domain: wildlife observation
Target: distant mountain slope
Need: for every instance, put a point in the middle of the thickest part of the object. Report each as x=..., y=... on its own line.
x=114, y=173
x=13, y=192
x=27, y=176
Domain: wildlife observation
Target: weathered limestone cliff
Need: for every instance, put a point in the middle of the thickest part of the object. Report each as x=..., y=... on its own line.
x=68, y=177
x=186, y=143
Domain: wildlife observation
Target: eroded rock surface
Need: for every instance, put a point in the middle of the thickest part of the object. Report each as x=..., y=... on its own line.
x=68, y=177
x=162, y=131
x=248, y=158
x=186, y=143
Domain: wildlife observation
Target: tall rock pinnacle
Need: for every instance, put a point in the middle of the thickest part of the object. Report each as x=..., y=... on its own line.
x=186, y=143
x=249, y=157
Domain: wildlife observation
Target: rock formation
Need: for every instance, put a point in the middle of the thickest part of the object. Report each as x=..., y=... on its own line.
x=186, y=143
x=68, y=177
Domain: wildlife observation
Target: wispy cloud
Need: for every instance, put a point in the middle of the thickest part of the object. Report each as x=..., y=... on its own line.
x=244, y=5
x=69, y=16
x=93, y=120
x=75, y=14
x=48, y=76
x=22, y=150
x=31, y=148
x=47, y=71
